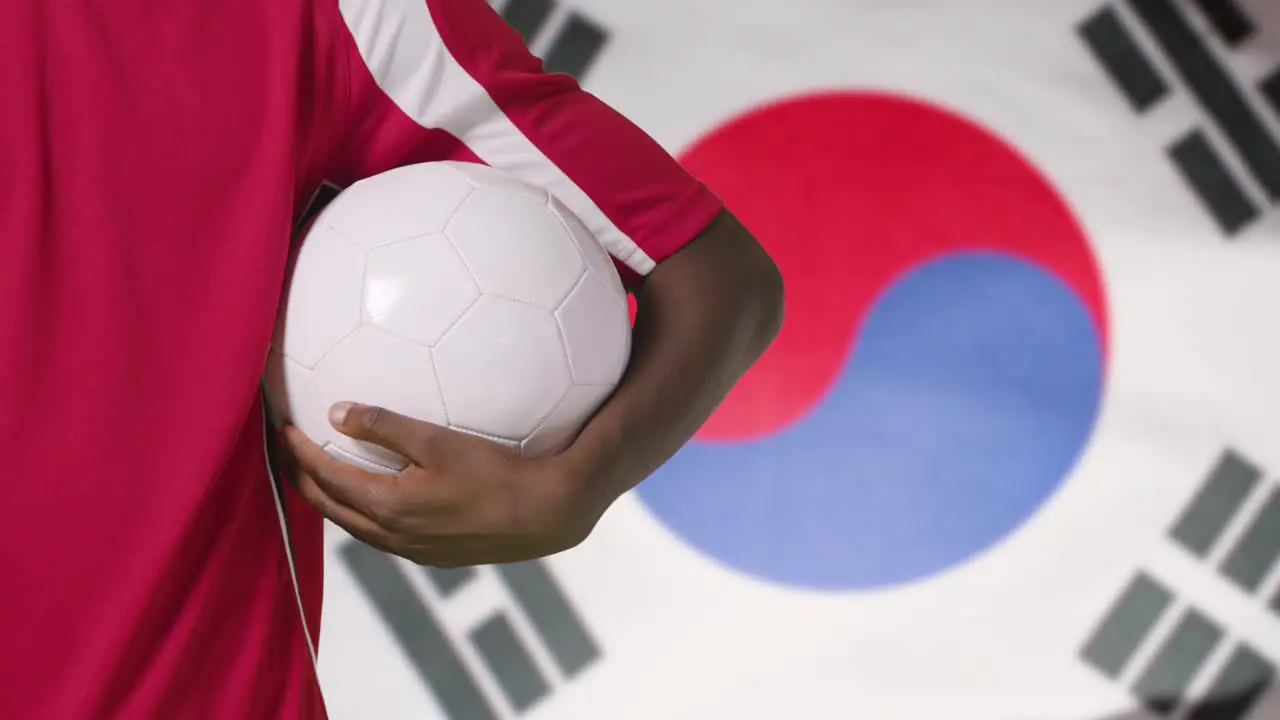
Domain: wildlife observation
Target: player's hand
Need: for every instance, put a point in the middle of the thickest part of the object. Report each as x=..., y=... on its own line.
x=462, y=500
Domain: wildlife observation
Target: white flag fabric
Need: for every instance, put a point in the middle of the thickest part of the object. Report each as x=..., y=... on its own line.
x=1016, y=454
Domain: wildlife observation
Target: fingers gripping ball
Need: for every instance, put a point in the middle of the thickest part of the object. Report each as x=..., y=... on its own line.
x=453, y=294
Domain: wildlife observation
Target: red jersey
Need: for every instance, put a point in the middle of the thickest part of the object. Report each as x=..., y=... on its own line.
x=153, y=159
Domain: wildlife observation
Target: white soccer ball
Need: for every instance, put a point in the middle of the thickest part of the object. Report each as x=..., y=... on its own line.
x=455, y=294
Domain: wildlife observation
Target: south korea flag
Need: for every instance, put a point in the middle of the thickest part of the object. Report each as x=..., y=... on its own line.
x=1013, y=455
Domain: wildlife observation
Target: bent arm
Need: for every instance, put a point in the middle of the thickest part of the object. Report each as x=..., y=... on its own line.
x=704, y=316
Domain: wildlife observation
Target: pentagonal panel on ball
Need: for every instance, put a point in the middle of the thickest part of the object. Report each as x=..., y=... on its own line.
x=516, y=247
x=374, y=368
x=322, y=303
x=502, y=368
x=417, y=288
x=405, y=202
x=597, y=332
x=597, y=257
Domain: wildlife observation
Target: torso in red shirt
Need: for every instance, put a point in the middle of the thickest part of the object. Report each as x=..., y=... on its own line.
x=153, y=159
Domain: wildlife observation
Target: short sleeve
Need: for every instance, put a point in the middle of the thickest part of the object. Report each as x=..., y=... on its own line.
x=429, y=80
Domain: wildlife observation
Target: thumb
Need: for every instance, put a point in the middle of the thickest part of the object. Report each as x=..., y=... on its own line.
x=380, y=426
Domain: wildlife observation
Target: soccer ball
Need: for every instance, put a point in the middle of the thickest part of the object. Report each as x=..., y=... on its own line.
x=454, y=294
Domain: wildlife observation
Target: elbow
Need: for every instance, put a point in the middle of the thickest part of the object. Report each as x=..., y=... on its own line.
x=756, y=293
x=722, y=285
x=767, y=293
x=752, y=279
x=762, y=292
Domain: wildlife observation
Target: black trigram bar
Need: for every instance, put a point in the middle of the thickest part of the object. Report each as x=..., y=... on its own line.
x=1114, y=47
x=1220, y=498
x=552, y=616
x=447, y=582
x=1251, y=559
x=1207, y=175
x=510, y=663
x=418, y=633
x=1164, y=684
x=1270, y=89
x=575, y=47
x=1214, y=88
x=543, y=602
x=1126, y=625
x=1237, y=688
x=527, y=16
x=1233, y=25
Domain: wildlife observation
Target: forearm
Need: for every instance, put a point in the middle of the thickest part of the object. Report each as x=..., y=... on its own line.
x=703, y=317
